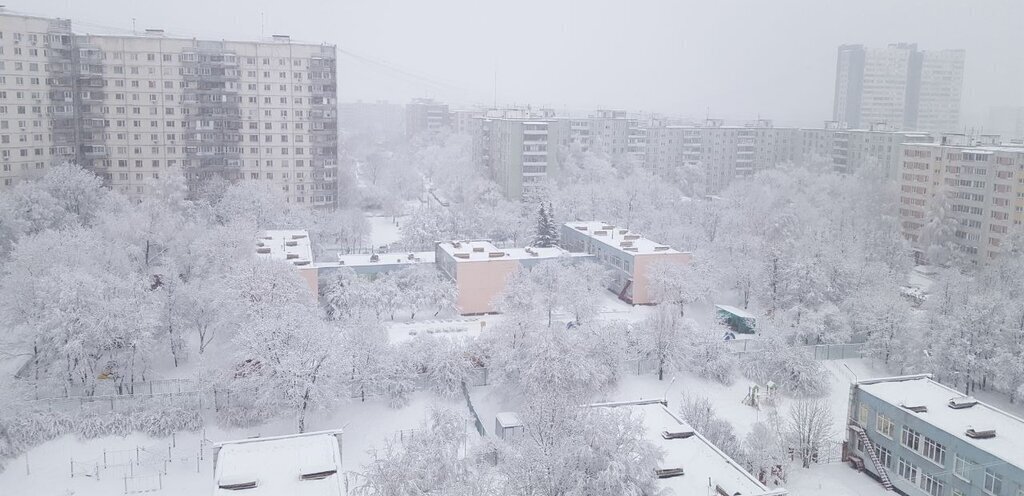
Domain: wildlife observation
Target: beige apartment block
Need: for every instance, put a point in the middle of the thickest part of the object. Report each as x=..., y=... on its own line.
x=129, y=107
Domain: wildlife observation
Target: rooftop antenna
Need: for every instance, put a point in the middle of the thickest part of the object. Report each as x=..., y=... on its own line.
x=495, y=84
x=263, y=26
x=133, y=25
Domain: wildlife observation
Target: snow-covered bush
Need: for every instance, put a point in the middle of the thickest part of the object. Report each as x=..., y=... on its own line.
x=793, y=370
x=700, y=414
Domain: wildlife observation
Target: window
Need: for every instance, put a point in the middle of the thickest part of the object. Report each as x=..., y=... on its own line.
x=907, y=470
x=911, y=439
x=993, y=483
x=884, y=425
x=962, y=468
x=884, y=456
x=934, y=451
x=931, y=485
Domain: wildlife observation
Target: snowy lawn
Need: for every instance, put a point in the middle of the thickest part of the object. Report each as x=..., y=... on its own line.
x=384, y=230
x=366, y=427
x=833, y=479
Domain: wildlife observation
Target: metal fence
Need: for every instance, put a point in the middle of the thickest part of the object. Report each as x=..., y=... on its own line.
x=42, y=390
x=143, y=483
x=837, y=351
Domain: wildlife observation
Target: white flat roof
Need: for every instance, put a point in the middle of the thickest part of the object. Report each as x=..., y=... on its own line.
x=277, y=464
x=700, y=460
x=923, y=391
x=616, y=236
x=397, y=257
x=285, y=244
x=482, y=250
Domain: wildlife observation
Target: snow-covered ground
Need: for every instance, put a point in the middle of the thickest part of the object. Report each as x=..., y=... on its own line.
x=366, y=424
x=384, y=230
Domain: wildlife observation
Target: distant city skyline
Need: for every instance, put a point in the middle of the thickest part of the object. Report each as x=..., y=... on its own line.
x=667, y=57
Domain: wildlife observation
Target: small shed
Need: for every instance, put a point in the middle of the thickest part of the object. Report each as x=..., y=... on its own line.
x=736, y=319
x=507, y=426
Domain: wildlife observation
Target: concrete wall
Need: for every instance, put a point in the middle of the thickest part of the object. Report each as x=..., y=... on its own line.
x=478, y=283
x=644, y=265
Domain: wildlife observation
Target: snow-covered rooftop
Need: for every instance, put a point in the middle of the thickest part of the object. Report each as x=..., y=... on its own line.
x=480, y=250
x=291, y=245
x=739, y=312
x=921, y=390
x=398, y=257
x=704, y=465
x=302, y=465
x=619, y=238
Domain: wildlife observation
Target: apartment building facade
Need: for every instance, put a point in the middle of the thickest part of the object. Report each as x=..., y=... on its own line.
x=920, y=437
x=518, y=148
x=130, y=107
x=723, y=153
x=900, y=86
x=856, y=148
x=424, y=115
x=982, y=195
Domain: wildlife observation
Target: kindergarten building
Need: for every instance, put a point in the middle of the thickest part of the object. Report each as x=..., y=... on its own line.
x=919, y=437
x=480, y=269
x=631, y=257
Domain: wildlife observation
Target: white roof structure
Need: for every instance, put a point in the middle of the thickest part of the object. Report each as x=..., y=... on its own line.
x=480, y=250
x=291, y=245
x=298, y=465
x=619, y=238
x=704, y=466
x=397, y=257
x=739, y=312
x=921, y=390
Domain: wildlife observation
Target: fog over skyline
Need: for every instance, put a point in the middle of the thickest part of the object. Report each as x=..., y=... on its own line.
x=733, y=60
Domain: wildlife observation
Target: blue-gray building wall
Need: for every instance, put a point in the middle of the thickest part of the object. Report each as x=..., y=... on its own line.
x=1012, y=477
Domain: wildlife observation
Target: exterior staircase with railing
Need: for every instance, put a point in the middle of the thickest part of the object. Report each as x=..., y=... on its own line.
x=869, y=447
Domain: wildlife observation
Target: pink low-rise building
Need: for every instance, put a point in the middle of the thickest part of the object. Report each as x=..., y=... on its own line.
x=480, y=269
x=293, y=246
x=631, y=257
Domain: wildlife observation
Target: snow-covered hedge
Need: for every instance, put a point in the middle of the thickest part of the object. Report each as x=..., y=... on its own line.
x=22, y=428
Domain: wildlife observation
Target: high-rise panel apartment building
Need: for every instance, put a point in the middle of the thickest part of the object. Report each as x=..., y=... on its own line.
x=130, y=107
x=722, y=153
x=424, y=115
x=983, y=188
x=518, y=148
x=899, y=86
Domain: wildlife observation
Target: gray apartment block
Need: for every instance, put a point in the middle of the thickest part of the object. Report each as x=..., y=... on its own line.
x=925, y=438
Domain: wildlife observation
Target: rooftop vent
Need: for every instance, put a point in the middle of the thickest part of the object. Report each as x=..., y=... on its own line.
x=631, y=237
x=237, y=483
x=281, y=37
x=581, y=228
x=665, y=473
x=301, y=262
x=607, y=227
x=374, y=258
x=317, y=473
x=154, y=32
x=291, y=256
x=676, y=433
x=660, y=248
x=631, y=249
x=916, y=408
x=412, y=256
x=623, y=231
x=962, y=402
x=478, y=249
x=464, y=256
x=263, y=250
x=600, y=233
x=496, y=254
x=291, y=243
x=625, y=243
x=973, y=434
x=456, y=244
x=298, y=236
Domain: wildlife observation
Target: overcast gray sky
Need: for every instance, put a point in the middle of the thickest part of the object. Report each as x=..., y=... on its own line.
x=734, y=59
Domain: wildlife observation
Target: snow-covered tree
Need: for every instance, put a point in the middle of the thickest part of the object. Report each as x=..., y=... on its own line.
x=663, y=338
x=288, y=360
x=808, y=428
x=547, y=233
x=700, y=414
